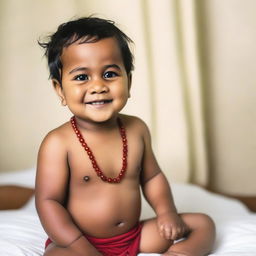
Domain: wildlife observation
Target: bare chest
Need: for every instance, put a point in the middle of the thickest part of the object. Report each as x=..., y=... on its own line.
x=108, y=154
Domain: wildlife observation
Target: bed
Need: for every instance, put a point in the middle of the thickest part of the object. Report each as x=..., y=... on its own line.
x=21, y=232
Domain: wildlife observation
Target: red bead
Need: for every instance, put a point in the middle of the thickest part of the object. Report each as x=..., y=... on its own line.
x=104, y=178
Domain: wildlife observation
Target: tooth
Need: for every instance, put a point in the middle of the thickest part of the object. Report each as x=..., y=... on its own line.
x=98, y=103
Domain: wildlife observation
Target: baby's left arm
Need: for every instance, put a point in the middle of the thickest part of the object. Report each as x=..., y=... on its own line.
x=157, y=192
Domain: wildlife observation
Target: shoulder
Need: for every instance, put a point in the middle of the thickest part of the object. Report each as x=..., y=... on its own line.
x=137, y=126
x=134, y=123
x=57, y=137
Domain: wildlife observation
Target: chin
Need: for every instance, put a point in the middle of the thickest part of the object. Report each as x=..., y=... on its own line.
x=103, y=119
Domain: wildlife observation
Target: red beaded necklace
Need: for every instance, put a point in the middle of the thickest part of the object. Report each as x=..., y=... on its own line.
x=95, y=166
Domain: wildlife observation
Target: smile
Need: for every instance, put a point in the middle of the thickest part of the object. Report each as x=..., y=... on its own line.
x=99, y=102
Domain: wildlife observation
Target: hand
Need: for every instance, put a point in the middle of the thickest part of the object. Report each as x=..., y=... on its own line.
x=171, y=226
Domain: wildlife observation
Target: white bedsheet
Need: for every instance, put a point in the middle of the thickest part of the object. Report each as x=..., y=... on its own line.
x=21, y=233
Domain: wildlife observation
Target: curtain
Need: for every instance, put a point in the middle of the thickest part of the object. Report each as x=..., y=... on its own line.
x=178, y=113
x=166, y=90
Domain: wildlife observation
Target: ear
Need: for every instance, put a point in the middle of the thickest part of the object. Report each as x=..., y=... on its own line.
x=58, y=89
x=129, y=84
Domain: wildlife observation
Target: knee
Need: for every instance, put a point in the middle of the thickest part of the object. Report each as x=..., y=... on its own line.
x=205, y=219
x=51, y=250
x=205, y=222
x=49, y=253
x=199, y=220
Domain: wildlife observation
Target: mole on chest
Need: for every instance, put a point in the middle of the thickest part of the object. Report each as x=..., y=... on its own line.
x=86, y=178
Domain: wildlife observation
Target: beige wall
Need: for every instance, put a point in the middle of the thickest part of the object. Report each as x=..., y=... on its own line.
x=227, y=39
x=228, y=31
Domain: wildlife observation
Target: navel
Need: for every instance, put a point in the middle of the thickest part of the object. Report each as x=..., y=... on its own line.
x=120, y=224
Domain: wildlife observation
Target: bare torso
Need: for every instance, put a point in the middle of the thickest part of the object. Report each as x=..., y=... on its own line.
x=98, y=208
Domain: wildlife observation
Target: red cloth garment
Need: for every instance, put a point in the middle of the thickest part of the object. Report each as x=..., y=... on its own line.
x=122, y=245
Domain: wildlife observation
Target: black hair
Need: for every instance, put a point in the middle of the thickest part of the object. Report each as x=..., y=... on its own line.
x=87, y=30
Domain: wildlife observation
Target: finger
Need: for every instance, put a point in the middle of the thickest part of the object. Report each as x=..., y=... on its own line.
x=174, y=235
x=177, y=234
x=161, y=230
x=182, y=232
x=168, y=232
x=184, y=229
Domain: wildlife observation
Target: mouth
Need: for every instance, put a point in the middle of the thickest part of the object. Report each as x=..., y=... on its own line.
x=99, y=102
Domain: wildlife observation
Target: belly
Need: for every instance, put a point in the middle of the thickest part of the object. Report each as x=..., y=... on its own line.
x=107, y=211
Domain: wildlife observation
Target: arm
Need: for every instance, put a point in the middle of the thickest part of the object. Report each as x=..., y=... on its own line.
x=157, y=192
x=51, y=194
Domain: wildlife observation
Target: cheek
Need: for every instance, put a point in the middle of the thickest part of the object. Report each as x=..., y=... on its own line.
x=74, y=94
x=123, y=94
x=123, y=98
x=122, y=90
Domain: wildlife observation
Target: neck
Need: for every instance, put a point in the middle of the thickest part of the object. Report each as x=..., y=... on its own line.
x=96, y=126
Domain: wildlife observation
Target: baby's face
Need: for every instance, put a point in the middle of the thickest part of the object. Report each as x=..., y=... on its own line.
x=95, y=85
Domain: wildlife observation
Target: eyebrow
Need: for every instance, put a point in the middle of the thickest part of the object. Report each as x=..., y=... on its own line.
x=84, y=68
x=77, y=69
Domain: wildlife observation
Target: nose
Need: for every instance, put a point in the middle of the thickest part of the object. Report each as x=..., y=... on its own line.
x=98, y=86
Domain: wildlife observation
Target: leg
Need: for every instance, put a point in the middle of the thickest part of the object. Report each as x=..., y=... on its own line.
x=53, y=250
x=198, y=243
x=151, y=241
x=200, y=240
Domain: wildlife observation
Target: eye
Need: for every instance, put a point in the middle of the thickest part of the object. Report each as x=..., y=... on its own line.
x=81, y=77
x=110, y=74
